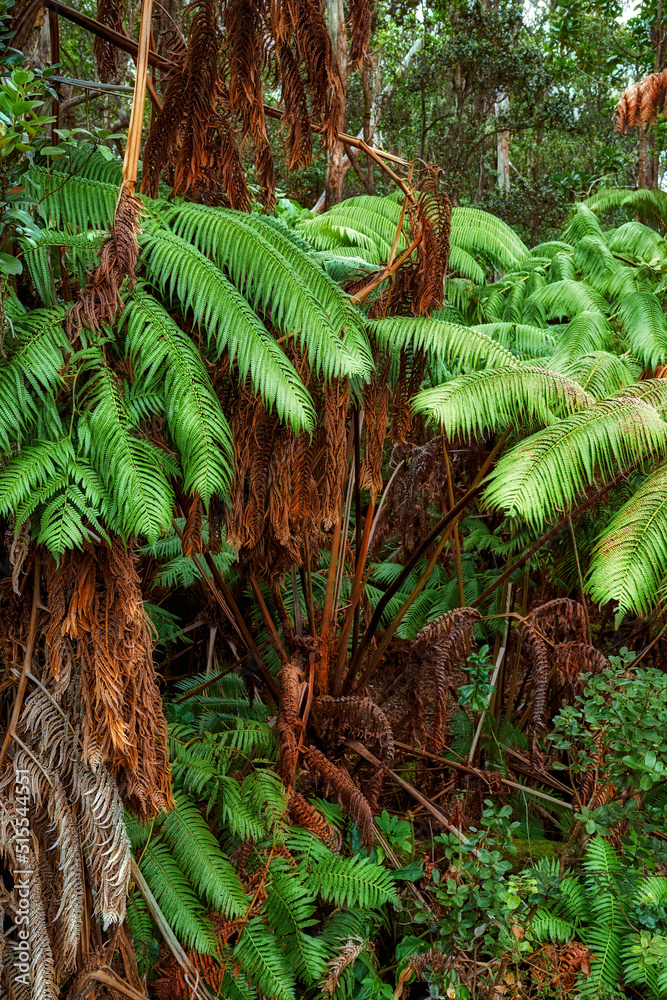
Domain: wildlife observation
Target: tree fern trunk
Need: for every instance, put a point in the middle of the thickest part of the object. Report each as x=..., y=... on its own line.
x=335, y=172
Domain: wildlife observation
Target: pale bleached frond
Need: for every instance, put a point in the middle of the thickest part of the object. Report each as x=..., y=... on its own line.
x=548, y=471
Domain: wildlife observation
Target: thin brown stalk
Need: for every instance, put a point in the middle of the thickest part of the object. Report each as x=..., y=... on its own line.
x=134, y=132
x=27, y=660
x=268, y=620
x=357, y=590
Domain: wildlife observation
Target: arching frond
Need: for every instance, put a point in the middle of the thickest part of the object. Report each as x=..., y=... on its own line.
x=550, y=469
x=586, y=332
x=644, y=325
x=89, y=161
x=630, y=560
x=521, y=337
x=193, y=414
x=594, y=258
x=600, y=372
x=650, y=205
x=582, y=223
x=445, y=341
x=483, y=234
x=464, y=263
x=291, y=286
x=81, y=248
x=182, y=271
x=562, y=300
x=492, y=399
x=636, y=240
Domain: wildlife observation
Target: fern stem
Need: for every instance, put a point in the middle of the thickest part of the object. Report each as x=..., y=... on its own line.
x=357, y=590
x=268, y=620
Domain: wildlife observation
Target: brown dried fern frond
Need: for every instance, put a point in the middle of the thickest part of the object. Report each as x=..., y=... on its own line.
x=299, y=143
x=641, y=103
x=341, y=961
x=302, y=813
x=109, y=13
x=311, y=36
x=288, y=725
x=376, y=412
x=353, y=802
x=100, y=301
x=336, y=399
x=360, y=20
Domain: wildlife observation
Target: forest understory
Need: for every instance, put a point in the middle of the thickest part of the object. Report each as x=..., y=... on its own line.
x=334, y=555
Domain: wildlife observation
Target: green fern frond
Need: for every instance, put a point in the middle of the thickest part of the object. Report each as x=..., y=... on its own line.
x=294, y=290
x=69, y=502
x=522, y=338
x=198, y=854
x=600, y=373
x=445, y=341
x=193, y=414
x=351, y=882
x=80, y=247
x=73, y=203
x=605, y=943
x=589, y=331
x=484, y=235
x=261, y=959
x=31, y=469
x=551, y=468
x=89, y=161
x=636, y=240
x=563, y=299
x=649, y=205
x=177, y=899
x=463, y=263
x=290, y=907
x=142, y=931
x=630, y=560
x=180, y=270
x=35, y=351
x=593, y=257
x=644, y=326
x=495, y=398
x=582, y=223
x=132, y=468
x=547, y=926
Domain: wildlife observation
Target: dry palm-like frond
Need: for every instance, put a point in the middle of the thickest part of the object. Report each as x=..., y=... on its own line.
x=93, y=797
x=106, y=54
x=47, y=792
x=100, y=301
x=376, y=413
x=642, y=102
x=302, y=813
x=341, y=961
x=299, y=143
x=98, y=611
x=308, y=28
x=288, y=724
x=438, y=653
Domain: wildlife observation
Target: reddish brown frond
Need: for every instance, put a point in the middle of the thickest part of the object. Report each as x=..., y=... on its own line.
x=161, y=141
x=360, y=20
x=299, y=144
x=310, y=33
x=336, y=398
x=641, y=103
x=191, y=541
x=302, y=813
x=106, y=54
x=100, y=300
x=354, y=803
x=376, y=411
x=288, y=724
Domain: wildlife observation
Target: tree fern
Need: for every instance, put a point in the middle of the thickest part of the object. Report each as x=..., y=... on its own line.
x=482, y=234
x=601, y=373
x=562, y=299
x=495, y=398
x=290, y=909
x=586, y=332
x=73, y=203
x=648, y=204
x=263, y=962
x=636, y=240
x=551, y=468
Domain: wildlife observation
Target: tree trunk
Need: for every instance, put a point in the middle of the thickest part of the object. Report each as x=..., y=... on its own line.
x=503, y=144
x=337, y=30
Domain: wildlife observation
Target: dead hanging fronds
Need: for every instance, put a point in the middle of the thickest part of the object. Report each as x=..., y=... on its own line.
x=302, y=813
x=100, y=629
x=100, y=301
x=641, y=103
x=296, y=116
x=193, y=135
x=336, y=399
x=288, y=726
x=360, y=22
x=437, y=656
x=109, y=13
x=376, y=412
x=191, y=541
